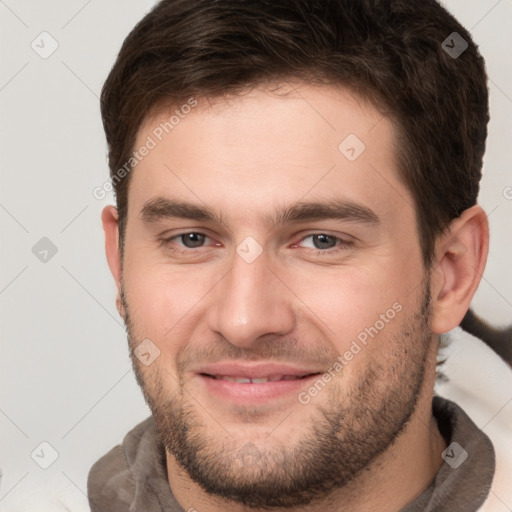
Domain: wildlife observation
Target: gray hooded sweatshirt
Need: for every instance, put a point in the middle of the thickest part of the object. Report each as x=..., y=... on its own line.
x=132, y=477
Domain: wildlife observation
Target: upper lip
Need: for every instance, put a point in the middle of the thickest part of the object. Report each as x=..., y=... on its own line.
x=255, y=371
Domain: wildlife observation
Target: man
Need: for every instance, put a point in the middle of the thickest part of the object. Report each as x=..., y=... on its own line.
x=296, y=224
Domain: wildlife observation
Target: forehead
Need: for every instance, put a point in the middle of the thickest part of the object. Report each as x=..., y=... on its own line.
x=261, y=147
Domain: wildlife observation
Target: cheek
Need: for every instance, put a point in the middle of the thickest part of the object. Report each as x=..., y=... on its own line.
x=162, y=301
x=346, y=301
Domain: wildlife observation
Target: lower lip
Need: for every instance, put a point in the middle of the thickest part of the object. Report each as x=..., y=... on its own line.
x=245, y=392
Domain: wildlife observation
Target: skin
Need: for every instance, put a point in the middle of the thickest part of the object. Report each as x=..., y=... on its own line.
x=372, y=442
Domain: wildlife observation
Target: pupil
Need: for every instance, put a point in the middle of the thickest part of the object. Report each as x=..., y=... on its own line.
x=192, y=240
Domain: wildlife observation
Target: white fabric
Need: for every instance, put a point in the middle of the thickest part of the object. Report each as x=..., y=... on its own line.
x=481, y=383
x=45, y=491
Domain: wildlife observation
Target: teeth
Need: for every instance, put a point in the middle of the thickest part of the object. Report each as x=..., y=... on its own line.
x=261, y=380
x=236, y=379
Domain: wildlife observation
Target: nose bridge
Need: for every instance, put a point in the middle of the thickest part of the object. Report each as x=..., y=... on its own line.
x=250, y=301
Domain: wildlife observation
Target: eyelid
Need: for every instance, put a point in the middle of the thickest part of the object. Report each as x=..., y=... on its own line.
x=171, y=234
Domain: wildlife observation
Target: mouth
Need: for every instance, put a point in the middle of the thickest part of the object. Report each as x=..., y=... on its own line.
x=258, y=380
x=243, y=390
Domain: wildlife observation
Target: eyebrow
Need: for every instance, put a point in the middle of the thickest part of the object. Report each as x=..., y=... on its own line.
x=161, y=208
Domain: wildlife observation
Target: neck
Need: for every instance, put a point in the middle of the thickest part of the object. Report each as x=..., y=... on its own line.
x=410, y=464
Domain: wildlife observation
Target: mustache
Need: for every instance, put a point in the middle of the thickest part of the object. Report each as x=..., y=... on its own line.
x=279, y=350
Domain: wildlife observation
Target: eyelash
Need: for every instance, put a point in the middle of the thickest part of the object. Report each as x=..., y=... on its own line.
x=343, y=245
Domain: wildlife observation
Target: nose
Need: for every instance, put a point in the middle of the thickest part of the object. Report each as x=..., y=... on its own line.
x=250, y=302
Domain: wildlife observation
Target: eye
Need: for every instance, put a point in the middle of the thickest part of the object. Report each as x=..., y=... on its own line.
x=322, y=243
x=185, y=243
x=191, y=240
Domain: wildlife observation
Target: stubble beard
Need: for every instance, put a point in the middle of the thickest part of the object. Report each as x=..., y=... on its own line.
x=343, y=437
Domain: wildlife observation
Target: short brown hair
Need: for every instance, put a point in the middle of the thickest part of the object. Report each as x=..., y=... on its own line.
x=388, y=51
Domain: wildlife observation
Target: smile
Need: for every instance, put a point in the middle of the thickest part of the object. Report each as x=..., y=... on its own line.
x=240, y=390
x=261, y=380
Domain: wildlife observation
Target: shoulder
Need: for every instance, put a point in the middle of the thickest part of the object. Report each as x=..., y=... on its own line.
x=111, y=482
x=480, y=382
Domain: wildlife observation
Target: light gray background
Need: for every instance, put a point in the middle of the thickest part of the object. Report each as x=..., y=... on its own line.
x=65, y=370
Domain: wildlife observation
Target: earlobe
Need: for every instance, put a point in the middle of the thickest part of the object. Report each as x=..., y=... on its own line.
x=461, y=255
x=109, y=219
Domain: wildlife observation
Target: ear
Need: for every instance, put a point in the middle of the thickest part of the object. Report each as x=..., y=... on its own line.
x=109, y=219
x=461, y=255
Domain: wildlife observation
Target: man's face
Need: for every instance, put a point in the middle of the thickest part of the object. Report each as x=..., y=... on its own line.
x=253, y=294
